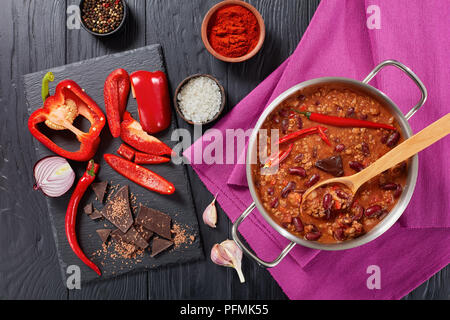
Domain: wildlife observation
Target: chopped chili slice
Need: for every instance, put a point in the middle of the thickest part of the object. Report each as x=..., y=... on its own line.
x=279, y=157
x=323, y=136
x=126, y=152
x=297, y=134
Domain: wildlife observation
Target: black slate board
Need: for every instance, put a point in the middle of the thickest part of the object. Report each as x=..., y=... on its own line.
x=90, y=75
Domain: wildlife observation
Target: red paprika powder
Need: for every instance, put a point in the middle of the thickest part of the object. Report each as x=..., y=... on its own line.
x=233, y=31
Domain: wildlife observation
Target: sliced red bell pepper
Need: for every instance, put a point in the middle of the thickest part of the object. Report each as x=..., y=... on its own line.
x=152, y=95
x=59, y=112
x=115, y=92
x=131, y=132
x=140, y=175
x=145, y=158
x=126, y=152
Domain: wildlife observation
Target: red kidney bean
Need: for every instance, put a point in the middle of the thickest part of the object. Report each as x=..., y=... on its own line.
x=339, y=234
x=338, y=108
x=328, y=214
x=298, y=171
x=298, y=224
x=384, y=139
x=355, y=165
x=299, y=157
x=301, y=97
x=350, y=111
x=373, y=210
x=363, y=116
x=357, y=211
x=299, y=122
x=284, y=112
x=284, y=125
x=393, y=139
x=274, y=203
x=311, y=236
x=327, y=201
x=398, y=191
x=312, y=181
x=388, y=186
x=317, y=103
x=341, y=194
x=365, y=148
x=288, y=188
x=340, y=147
x=270, y=191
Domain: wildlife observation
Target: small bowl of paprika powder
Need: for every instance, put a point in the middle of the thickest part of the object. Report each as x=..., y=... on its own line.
x=233, y=31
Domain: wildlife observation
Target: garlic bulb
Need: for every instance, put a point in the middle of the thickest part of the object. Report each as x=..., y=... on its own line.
x=228, y=254
x=210, y=214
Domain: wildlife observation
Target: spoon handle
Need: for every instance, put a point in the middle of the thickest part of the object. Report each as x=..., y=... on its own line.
x=421, y=140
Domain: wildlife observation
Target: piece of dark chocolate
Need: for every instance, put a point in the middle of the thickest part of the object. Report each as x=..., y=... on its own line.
x=131, y=236
x=159, y=245
x=155, y=221
x=103, y=234
x=88, y=209
x=118, y=211
x=96, y=215
x=146, y=234
x=100, y=189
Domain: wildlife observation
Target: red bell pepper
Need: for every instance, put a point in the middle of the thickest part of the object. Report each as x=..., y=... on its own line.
x=145, y=158
x=72, y=210
x=59, y=112
x=152, y=95
x=131, y=132
x=126, y=152
x=140, y=175
x=115, y=92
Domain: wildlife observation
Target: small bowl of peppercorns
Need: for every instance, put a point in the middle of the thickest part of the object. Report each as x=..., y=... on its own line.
x=102, y=17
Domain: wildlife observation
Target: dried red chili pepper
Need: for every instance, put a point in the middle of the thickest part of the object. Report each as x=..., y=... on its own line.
x=71, y=213
x=59, y=112
x=152, y=95
x=140, y=175
x=115, y=92
x=343, y=122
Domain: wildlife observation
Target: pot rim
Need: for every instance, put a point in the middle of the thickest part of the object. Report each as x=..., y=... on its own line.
x=402, y=202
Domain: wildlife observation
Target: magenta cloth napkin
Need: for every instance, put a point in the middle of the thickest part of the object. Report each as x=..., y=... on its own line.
x=338, y=43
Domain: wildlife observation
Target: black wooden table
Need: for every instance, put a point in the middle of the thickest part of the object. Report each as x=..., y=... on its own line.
x=33, y=36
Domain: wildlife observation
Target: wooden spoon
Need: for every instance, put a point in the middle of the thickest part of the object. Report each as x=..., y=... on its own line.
x=403, y=151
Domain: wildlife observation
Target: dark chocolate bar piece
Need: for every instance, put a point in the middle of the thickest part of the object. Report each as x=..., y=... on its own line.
x=159, y=245
x=118, y=211
x=155, y=221
x=104, y=234
x=131, y=236
x=100, y=189
x=88, y=209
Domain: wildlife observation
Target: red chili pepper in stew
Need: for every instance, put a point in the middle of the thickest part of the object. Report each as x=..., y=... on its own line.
x=323, y=136
x=152, y=95
x=71, y=213
x=343, y=122
x=278, y=157
x=299, y=133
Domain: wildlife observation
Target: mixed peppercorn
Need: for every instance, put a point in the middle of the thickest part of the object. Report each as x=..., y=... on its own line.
x=102, y=16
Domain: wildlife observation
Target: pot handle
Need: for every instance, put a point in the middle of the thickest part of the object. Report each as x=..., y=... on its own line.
x=410, y=74
x=234, y=232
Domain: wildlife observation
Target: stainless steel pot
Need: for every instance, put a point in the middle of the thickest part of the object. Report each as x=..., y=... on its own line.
x=395, y=213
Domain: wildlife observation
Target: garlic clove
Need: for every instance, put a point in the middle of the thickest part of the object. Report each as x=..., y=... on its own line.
x=228, y=254
x=210, y=214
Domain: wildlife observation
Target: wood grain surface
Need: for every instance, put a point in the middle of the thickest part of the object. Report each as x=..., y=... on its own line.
x=33, y=37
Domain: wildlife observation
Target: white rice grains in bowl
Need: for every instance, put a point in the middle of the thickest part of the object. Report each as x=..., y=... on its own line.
x=199, y=99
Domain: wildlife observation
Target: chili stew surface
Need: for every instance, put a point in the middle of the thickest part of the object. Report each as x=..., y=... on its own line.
x=331, y=214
